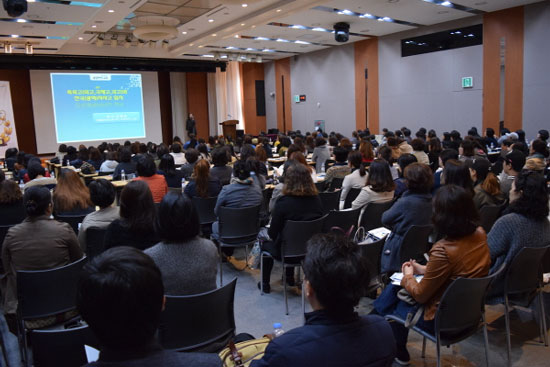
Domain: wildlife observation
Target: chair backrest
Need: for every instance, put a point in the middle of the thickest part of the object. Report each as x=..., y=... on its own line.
x=193, y=322
x=352, y=195
x=176, y=190
x=95, y=241
x=415, y=243
x=297, y=233
x=329, y=200
x=63, y=348
x=239, y=225
x=373, y=253
x=3, y=232
x=336, y=183
x=341, y=218
x=42, y=293
x=320, y=185
x=205, y=209
x=73, y=220
x=525, y=271
x=459, y=312
x=267, y=194
x=372, y=215
x=489, y=214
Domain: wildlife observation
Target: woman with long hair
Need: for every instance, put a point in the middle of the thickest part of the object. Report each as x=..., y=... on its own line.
x=357, y=179
x=300, y=202
x=167, y=168
x=379, y=188
x=486, y=185
x=135, y=228
x=458, y=173
x=202, y=184
x=367, y=153
x=12, y=210
x=147, y=172
x=71, y=196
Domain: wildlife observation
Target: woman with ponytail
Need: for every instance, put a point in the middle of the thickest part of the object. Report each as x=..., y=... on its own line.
x=486, y=186
x=38, y=243
x=201, y=184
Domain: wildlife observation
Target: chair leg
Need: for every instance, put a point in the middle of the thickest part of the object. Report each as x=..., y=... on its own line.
x=485, y=338
x=543, y=317
x=245, y=257
x=424, y=347
x=438, y=350
x=22, y=335
x=221, y=265
x=284, y=285
x=261, y=273
x=508, y=337
x=303, y=303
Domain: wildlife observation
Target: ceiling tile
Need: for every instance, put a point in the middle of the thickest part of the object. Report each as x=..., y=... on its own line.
x=210, y=4
x=493, y=5
x=156, y=8
x=170, y=2
x=189, y=12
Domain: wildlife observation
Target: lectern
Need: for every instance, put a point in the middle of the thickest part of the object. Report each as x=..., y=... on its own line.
x=230, y=128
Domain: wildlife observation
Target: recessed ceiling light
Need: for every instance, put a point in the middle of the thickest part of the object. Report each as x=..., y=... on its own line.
x=191, y=44
x=244, y=5
x=21, y=21
x=210, y=20
x=446, y=3
x=242, y=24
x=279, y=10
x=111, y=11
x=183, y=32
x=14, y=36
x=253, y=26
x=201, y=46
x=80, y=38
x=94, y=26
x=214, y=34
x=236, y=36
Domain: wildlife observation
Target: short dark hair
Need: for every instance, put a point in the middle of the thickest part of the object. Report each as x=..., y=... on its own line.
x=539, y=146
x=320, y=141
x=385, y=152
x=418, y=145
x=447, y=154
x=177, y=219
x=490, y=132
x=355, y=159
x=35, y=169
x=533, y=202
x=102, y=192
x=167, y=165
x=120, y=295
x=458, y=173
x=176, y=148
x=340, y=154
x=36, y=200
x=380, y=178
x=404, y=160
x=543, y=134
x=337, y=272
x=419, y=177
x=468, y=148
x=515, y=158
x=454, y=212
x=125, y=155
x=146, y=166
x=219, y=157
x=192, y=155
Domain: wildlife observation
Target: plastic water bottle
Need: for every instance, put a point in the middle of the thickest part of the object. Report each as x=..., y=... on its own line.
x=21, y=184
x=277, y=330
x=182, y=184
x=52, y=174
x=123, y=175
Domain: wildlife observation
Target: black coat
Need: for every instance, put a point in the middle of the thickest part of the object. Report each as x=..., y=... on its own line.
x=352, y=341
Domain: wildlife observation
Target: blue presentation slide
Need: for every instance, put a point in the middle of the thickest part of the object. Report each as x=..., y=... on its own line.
x=92, y=106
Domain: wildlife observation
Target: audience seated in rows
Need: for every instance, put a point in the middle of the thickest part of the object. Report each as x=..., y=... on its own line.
x=299, y=202
x=414, y=208
x=463, y=252
x=179, y=157
x=221, y=170
x=486, y=185
x=167, y=168
x=334, y=334
x=320, y=154
x=126, y=165
x=147, y=172
x=71, y=196
x=357, y=179
x=340, y=169
x=202, y=184
x=192, y=157
x=457, y=173
x=512, y=166
x=379, y=188
x=37, y=176
x=135, y=227
x=102, y=194
x=110, y=163
x=188, y=263
x=121, y=297
x=524, y=224
x=38, y=243
x=12, y=210
x=401, y=182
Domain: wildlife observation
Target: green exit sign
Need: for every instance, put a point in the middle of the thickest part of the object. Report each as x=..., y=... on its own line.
x=468, y=82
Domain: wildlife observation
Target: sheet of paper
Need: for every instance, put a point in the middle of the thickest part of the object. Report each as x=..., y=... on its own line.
x=92, y=354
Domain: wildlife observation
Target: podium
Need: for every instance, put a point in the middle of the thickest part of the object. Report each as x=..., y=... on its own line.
x=230, y=128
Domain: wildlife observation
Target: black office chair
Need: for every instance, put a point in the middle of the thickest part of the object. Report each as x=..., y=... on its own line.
x=201, y=322
x=267, y=194
x=320, y=185
x=43, y=293
x=522, y=284
x=330, y=200
x=372, y=215
x=373, y=253
x=343, y=219
x=205, y=210
x=238, y=227
x=414, y=244
x=459, y=314
x=73, y=220
x=335, y=184
x=489, y=214
x=352, y=195
x=62, y=348
x=293, y=249
x=95, y=241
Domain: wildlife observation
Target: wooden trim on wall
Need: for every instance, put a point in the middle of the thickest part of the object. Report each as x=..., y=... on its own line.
x=496, y=25
x=165, y=104
x=252, y=72
x=197, y=101
x=366, y=57
x=282, y=71
x=21, y=97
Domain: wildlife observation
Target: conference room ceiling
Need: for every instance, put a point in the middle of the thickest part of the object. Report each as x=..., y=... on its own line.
x=210, y=29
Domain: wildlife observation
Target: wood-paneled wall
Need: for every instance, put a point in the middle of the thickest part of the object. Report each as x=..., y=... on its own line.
x=507, y=24
x=165, y=100
x=250, y=73
x=197, y=101
x=366, y=57
x=21, y=96
x=284, y=113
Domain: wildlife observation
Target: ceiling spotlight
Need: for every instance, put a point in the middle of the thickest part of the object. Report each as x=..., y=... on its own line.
x=29, y=49
x=210, y=20
x=165, y=44
x=114, y=41
x=21, y=20
x=94, y=26
x=259, y=58
x=244, y=5
x=14, y=36
x=80, y=38
x=236, y=36
x=8, y=48
x=223, y=56
x=111, y=11
x=183, y=32
x=214, y=34
x=127, y=42
x=279, y=10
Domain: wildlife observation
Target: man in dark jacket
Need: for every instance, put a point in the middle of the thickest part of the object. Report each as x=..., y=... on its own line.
x=334, y=335
x=121, y=295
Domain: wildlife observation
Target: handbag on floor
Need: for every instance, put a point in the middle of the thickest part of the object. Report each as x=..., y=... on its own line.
x=243, y=353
